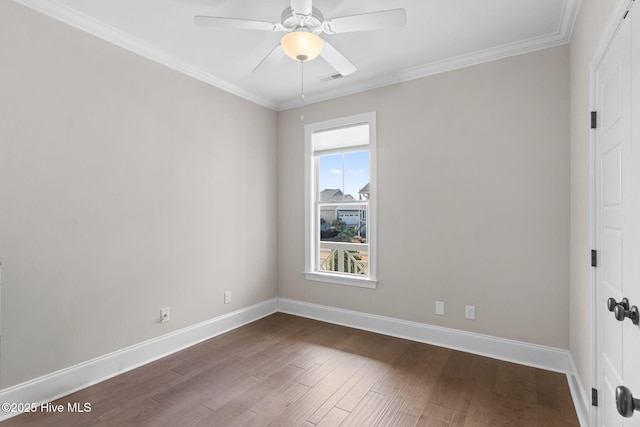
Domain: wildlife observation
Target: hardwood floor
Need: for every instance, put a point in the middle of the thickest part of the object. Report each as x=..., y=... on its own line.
x=285, y=370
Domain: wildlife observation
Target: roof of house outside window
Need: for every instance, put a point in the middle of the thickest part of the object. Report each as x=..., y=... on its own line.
x=364, y=191
x=334, y=195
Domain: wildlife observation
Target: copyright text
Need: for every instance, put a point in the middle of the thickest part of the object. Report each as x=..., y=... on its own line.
x=69, y=407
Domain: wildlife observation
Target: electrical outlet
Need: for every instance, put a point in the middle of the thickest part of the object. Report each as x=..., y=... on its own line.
x=227, y=297
x=440, y=308
x=164, y=315
x=470, y=312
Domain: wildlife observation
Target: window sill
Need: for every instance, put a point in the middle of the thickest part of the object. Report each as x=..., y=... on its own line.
x=341, y=279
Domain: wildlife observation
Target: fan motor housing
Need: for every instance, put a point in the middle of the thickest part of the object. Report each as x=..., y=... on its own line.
x=294, y=22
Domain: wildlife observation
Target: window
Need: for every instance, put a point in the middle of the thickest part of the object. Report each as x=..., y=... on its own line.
x=340, y=200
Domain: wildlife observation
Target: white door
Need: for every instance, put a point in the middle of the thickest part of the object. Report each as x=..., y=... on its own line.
x=617, y=220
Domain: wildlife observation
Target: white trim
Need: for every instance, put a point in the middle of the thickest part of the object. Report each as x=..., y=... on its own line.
x=449, y=64
x=581, y=400
x=561, y=37
x=341, y=279
x=68, y=15
x=537, y=356
x=65, y=381
x=608, y=33
x=88, y=24
x=568, y=20
x=310, y=220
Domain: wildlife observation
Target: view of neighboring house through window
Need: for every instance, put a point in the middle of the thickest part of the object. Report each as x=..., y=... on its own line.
x=340, y=217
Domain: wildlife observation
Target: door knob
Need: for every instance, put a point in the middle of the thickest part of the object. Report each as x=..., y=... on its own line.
x=620, y=312
x=612, y=303
x=625, y=403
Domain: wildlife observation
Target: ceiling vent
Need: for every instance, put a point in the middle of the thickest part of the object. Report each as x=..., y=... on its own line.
x=330, y=77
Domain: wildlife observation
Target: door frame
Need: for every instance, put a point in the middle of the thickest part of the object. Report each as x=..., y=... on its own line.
x=607, y=37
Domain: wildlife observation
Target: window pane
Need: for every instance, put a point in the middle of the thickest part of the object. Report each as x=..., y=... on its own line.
x=344, y=177
x=343, y=223
x=356, y=174
x=345, y=258
x=330, y=179
x=343, y=238
x=343, y=201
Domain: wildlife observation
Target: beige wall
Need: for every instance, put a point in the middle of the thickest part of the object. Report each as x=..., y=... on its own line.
x=591, y=20
x=481, y=155
x=125, y=187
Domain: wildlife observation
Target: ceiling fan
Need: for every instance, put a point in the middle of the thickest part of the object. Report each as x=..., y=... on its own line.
x=302, y=24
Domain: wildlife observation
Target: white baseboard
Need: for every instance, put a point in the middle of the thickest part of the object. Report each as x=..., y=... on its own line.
x=549, y=358
x=61, y=383
x=538, y=356
x=581, y=400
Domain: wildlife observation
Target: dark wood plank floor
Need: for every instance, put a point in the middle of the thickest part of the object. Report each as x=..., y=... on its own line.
x=285, y=370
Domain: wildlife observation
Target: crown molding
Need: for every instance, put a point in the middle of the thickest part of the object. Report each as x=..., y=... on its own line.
x=569, y=12
x=72, y=17
x=561, y=37
x=63, y=13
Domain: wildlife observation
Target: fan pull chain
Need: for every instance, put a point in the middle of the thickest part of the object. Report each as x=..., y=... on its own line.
x=302, y=80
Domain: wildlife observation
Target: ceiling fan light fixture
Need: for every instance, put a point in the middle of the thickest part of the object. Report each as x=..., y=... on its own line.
x=302, y=45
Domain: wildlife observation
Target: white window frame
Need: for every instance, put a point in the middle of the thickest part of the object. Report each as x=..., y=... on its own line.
x=312, y=222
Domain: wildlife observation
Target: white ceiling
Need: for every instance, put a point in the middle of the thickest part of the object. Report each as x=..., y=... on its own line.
x=439, y=35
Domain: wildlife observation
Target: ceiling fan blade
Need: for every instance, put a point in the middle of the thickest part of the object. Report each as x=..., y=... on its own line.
x=337, y=60
x=241, y=24
x=301, y=7
x=366, y=21
x=273, y=57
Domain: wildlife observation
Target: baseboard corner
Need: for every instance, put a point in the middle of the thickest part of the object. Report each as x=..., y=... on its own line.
x=523, y=353
x=71, y=379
